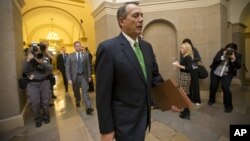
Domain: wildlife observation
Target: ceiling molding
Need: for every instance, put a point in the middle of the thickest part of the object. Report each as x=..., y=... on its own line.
x=21, y=2
x=66, y=12
x=148, y=6
x=36, y=29
x=78, y=3
x=107, y=8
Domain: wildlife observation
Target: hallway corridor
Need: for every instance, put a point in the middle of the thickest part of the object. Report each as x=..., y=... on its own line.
x=68, y=123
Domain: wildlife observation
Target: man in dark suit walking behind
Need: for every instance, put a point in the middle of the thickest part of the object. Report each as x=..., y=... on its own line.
x=78, y=72
x=126, y=69
x=61, y=63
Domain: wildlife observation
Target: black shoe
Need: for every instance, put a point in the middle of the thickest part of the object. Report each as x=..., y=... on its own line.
x=46, y=120
x=185, y=114
x=228, y=110
x=210, y=103
x=54, y=97
x=182, y=113
x=77, y=104
x=89, y=111
x=38, y=123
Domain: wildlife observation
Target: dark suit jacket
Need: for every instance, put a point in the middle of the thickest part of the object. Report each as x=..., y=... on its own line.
x=122, y=93
x=60, y=62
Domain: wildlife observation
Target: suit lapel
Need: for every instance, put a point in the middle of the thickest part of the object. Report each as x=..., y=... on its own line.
x=129, y=52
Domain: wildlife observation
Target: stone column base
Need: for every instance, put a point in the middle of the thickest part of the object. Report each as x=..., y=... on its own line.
x=13, y=122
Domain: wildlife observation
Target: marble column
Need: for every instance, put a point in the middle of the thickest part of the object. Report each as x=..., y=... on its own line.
x=12, y=99
x=238, y=37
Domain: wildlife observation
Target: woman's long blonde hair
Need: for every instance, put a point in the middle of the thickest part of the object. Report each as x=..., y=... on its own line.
x=189, y=49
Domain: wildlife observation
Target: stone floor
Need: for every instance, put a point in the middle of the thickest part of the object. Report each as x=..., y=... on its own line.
x=68, y=123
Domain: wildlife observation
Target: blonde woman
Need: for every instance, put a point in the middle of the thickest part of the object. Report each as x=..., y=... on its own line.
x=185, y=66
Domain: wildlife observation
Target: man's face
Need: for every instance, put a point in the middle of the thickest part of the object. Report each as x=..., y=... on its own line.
x=63, y=50
x=132, y=25
x=78, y=47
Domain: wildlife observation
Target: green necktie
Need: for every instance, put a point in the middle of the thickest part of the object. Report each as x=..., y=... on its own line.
x=140, y=58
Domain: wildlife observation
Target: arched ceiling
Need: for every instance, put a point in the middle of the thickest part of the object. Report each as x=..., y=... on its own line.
x=68, y=18
x=43, y=19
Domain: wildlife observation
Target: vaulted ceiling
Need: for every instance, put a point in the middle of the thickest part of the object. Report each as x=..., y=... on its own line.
x=71, y=20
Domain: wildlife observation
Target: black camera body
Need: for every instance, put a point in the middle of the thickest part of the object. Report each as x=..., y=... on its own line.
x=229, y=51
x=35, y=51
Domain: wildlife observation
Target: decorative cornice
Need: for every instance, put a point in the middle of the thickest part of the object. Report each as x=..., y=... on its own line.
x=148, y=6
x=107, y=8
x=238, y=27
x=69, y=2
x=19, y=4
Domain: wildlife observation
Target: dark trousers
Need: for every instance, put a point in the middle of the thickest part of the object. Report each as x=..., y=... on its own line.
x=225, y=85
x=65, y=81
x=39, y=94
x=91, y=86
x=133, y=132
x=194, y=89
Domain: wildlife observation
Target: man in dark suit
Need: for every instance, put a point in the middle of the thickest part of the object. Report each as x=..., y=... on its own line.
x=125, y=73
x=61, y=63
x=78, y=72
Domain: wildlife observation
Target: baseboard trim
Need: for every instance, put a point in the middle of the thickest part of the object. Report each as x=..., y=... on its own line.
x=14, y=121
x=205, y=96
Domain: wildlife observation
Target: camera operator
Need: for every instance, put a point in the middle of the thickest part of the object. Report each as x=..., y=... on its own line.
x=38, y=68
x=224, y=67
x=44, y=49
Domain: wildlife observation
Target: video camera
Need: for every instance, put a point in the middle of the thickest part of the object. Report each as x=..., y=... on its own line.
x=35, y=51
x=229, y=51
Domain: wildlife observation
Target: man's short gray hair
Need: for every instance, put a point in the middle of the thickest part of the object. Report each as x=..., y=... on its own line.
x=121, y=12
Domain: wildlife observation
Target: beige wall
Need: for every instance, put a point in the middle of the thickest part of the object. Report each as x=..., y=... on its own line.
x=205, y=26
x=11, y=98
x=162, y=35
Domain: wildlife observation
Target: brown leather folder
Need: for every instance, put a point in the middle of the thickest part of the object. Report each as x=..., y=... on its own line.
x=168, y=94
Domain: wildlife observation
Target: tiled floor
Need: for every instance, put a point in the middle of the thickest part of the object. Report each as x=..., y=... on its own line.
x=68, y=123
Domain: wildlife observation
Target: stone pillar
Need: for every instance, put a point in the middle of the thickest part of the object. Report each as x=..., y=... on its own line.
x=238, y=37
x=12, y=99
x=106, y=25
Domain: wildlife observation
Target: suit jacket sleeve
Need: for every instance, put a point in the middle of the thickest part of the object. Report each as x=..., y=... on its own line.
x=88, y=66
x=58, y=62
x=157, y=78
x=67, y=68
x=104, y=79
x=237, y=63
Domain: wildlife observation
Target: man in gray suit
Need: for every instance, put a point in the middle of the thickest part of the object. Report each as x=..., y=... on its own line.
x=78, y=73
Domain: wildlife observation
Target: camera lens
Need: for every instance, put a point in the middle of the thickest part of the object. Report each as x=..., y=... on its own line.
x=39, y=56
x=229, y=51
